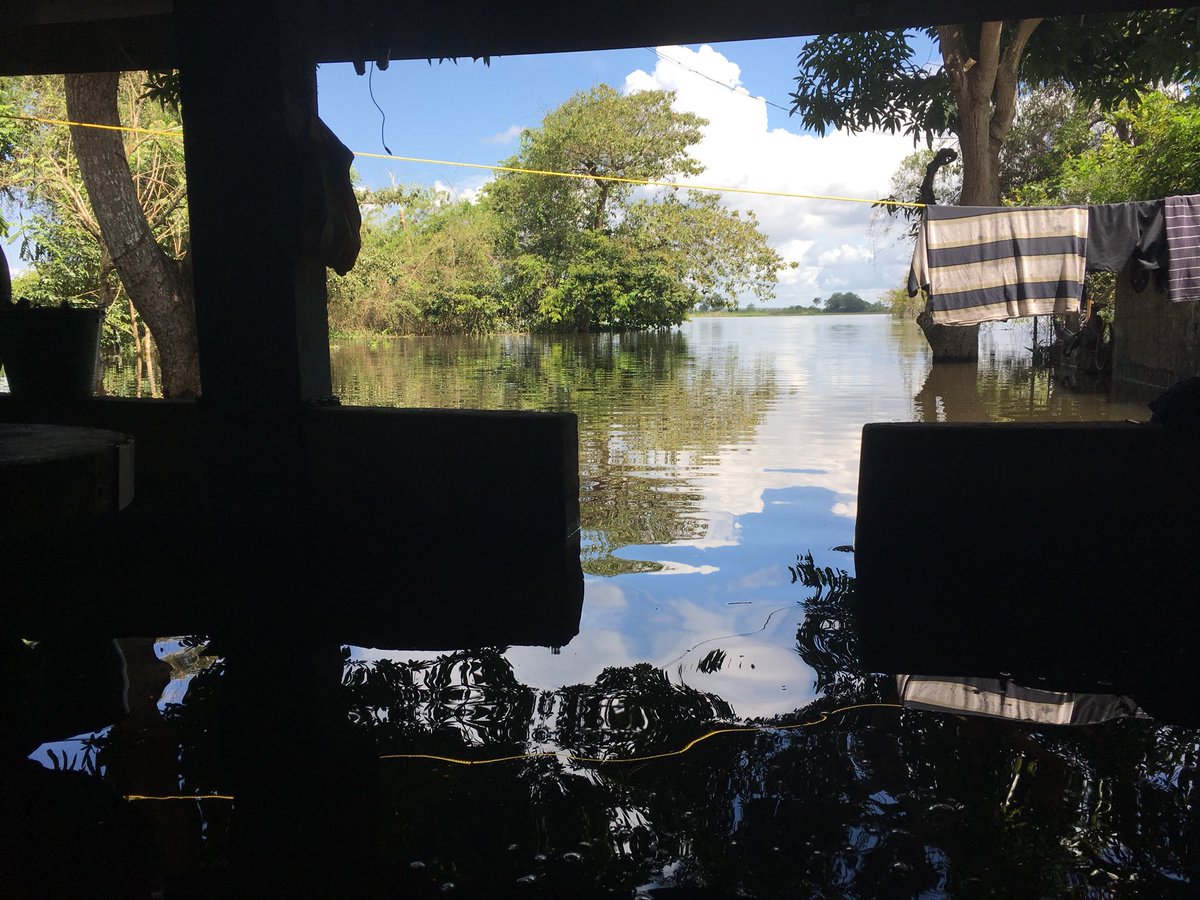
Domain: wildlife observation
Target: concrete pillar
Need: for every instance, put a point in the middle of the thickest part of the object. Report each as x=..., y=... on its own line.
x=260, y=306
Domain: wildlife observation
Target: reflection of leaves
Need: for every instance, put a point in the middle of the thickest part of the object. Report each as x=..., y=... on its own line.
x=712, y=662
x=469, y=697
x=826, y=638
x=634, y=710
x=85, y=760
x=646, y=405
x=597, y=562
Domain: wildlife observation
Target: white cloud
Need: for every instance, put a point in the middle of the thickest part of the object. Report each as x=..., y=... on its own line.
x=507, y=136
x=456, y=192
x=828, y=238
x=845, y=254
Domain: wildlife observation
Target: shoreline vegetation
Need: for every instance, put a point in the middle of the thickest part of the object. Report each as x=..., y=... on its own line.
x=789, y=311
x=351, y=334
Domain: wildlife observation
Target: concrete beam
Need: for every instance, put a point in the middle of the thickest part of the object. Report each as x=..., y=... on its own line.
x=424, y=529
x=140, y=34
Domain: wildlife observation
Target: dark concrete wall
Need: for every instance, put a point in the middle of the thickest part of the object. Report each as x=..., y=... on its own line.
x=390, y=528
x=1048, y=550
x=1157, y=342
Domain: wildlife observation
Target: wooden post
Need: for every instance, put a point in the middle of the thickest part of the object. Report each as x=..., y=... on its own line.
x=260, y=307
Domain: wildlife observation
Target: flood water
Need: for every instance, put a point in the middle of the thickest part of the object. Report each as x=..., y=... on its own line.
x=719, y=467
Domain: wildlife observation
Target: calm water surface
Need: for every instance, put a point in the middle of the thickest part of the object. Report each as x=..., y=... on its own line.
x=714, y=459
x=711, y=456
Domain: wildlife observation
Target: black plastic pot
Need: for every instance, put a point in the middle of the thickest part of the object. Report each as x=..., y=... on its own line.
x=50, y=352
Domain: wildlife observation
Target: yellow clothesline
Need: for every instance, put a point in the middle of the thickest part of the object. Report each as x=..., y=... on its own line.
x=569, y=757
x=498, y=168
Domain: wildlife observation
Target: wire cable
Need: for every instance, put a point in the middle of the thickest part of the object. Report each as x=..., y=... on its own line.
x=382, y=114
x=615, y=760
x=730, y=87
x=643, y=181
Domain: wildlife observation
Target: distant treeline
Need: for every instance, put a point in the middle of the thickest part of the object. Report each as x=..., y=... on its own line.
x=840, y=302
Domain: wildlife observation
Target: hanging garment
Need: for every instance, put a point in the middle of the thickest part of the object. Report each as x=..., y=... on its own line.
x=1181, y=215
x=1119, y=232
x=982, y=264
x=330, y=221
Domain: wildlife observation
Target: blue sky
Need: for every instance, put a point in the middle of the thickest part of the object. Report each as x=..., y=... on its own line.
x=470, y=112
x=447, y=110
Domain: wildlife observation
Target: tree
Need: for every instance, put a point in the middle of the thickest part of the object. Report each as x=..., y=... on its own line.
x=159, y=286
x=873, y=80
x=582, y=253
x=42, y=178
x=846, y=301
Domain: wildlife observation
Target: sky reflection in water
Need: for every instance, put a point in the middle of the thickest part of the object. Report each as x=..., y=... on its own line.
x=763, y=467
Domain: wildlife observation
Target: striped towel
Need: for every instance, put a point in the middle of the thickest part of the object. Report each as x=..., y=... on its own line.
x=1182, y=217
x=981, y=264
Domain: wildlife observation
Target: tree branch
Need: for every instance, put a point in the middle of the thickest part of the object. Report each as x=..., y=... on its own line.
x=1006, y=81
x=954, y=59
x=982, y=77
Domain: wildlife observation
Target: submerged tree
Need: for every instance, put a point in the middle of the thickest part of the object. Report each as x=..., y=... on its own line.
x=875, y=80
x=584, y=253
x=428, y=266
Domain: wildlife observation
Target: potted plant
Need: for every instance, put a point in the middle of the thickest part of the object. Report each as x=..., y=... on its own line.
x=48, y=352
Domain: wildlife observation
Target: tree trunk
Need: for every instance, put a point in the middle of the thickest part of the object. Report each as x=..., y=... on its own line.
x=985, y=91
x=154, y=282
x=5, y=280
x=950, y=343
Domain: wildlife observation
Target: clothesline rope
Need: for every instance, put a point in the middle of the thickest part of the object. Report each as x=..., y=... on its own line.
x=646, y=182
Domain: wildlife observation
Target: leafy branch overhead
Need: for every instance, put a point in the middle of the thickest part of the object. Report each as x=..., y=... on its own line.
x=876, y=80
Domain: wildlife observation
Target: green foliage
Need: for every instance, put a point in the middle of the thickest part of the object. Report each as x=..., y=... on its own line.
x=1151, y=150
x=597, y=134
x=901, y=305
x=1110, y=59
x=560, y=254
x=874, y=80
x=427, y=265
x=612, y=283
x=870, y=80
x=1052, y=124
x=846, y=301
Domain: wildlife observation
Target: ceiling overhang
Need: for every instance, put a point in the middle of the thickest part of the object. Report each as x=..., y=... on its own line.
x=47, y=36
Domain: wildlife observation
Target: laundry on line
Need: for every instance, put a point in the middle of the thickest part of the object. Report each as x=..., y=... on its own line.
x=982, y=264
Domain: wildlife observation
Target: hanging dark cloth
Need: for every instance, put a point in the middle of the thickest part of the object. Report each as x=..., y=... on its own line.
x=329, y=217
x=1121, y=232
x=1150, y=252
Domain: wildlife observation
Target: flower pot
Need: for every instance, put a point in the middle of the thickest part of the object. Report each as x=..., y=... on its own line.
x=50, y=352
